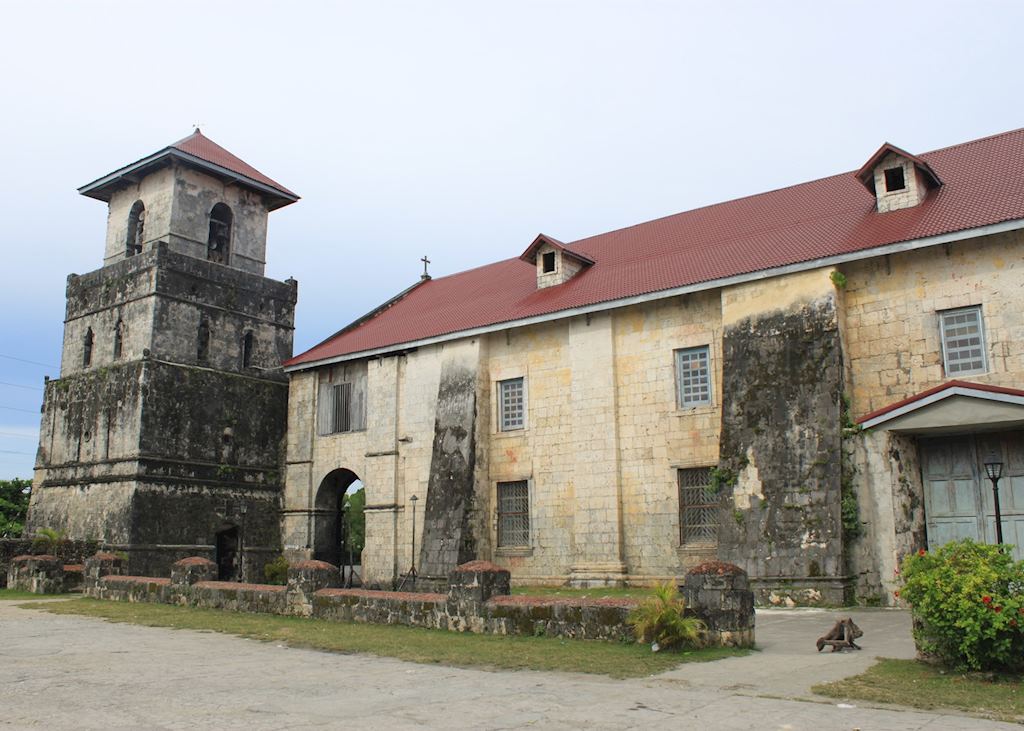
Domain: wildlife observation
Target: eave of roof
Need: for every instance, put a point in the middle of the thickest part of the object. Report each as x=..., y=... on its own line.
x=938, y=393
x=202, y=153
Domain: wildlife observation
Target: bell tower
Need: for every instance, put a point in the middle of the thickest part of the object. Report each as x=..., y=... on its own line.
x=163, y=435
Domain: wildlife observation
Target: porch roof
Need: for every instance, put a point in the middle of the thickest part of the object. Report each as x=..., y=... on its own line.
x=949, y=407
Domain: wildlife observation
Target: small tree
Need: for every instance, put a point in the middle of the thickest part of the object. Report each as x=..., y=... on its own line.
x=660, y=621
x=968, y=605
x=14, y=496
x=355, y=521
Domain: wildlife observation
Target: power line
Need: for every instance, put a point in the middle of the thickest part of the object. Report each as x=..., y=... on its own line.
x=11, y=451
x=32, y=362
x=27, y=411
x=18, y=385
x=15, y=435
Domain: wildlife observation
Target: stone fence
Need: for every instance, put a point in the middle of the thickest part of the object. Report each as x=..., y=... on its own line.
x=70, y=553
x=477, y=600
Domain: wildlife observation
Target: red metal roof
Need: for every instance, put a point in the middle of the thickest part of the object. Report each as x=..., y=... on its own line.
x=206, y=149
x=983, y=185
x=936, y=389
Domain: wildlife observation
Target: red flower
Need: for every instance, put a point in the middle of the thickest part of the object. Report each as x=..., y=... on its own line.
x=986, y=600
x=921, y=552
x=896, y=593
x=1013, y=622
x=997, y=609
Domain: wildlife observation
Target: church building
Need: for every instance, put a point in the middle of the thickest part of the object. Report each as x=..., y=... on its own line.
x=806, y=383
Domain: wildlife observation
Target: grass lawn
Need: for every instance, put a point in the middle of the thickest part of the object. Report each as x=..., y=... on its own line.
x=911, y=683
x=16, y=594
x=598, y=593
x=619, y=660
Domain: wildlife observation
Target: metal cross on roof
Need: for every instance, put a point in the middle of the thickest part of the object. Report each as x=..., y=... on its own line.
x=425, y=261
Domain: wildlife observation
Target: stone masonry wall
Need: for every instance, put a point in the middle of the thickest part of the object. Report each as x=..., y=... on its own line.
x=780, y=478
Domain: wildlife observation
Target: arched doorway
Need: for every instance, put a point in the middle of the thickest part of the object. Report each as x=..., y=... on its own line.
x=331, y=540
x=227, y=553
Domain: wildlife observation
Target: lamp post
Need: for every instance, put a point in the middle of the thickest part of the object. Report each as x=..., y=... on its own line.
x=412, y=572
x=994, y=470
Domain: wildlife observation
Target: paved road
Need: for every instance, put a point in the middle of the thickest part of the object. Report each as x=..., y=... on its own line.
x=79, y=673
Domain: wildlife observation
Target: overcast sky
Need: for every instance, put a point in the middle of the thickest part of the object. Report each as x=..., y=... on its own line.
x=459, y=130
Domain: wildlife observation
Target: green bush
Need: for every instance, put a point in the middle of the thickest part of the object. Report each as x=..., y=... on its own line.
x=968, y=604
x=659, y=620
x=276, y=571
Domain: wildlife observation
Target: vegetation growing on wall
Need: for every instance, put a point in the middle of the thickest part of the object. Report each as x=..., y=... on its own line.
x=849, y=507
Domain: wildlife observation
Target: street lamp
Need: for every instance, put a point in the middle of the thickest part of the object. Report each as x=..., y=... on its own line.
x=412, y=572
x=994, y=470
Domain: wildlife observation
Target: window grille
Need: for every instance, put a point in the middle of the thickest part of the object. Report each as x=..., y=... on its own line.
x=512, y=410
x=693, y=374
x=513, y=514
x=698, y=507
x=342, y=403
x=963, y=341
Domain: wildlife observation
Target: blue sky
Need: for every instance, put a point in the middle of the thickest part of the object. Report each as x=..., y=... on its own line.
x=459, y=130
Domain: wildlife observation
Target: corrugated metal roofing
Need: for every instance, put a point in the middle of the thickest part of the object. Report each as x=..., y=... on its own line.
x=206, y=149
x=983, y=185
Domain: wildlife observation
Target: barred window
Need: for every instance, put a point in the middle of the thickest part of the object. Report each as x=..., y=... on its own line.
x=963, y=341
x=513, y=514
x=693, y=376
x=698, y=507
x=340, y=409
x=512, y=408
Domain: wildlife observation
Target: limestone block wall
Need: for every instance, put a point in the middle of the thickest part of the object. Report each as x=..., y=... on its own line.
x=781, y=433
x=892, y=322
x=540, y=453
x=178, y=201
x=156, y=191
x=657, y=437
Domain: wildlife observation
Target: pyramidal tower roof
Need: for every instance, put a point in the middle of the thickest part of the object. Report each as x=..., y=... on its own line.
x=199, y=151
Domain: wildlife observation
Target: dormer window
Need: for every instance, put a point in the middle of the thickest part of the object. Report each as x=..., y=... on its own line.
x=554, y=261
x=894, y=179
x=548, y=260
x=897, y=179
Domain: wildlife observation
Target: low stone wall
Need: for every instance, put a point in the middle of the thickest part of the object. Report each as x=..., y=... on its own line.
x=477, y=601
x=69, y=552
x=38, y=574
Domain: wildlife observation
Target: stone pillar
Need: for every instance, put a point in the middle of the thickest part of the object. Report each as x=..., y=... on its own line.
x=472, y=584
x=192, y=570
x=37, y=574
x=597, y=518
x=719, y=594
x=305, y=578
x=99, y=565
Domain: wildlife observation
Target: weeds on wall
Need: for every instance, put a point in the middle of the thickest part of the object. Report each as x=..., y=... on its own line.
x=660, y=621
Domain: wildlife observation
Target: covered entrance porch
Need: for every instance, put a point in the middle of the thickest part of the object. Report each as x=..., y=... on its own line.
x=958, y=427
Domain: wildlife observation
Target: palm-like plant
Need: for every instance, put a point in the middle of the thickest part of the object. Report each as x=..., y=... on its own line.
x=660, y=621
x=47, y=540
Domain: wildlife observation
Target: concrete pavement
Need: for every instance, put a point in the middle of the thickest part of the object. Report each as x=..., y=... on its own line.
x=62, y=672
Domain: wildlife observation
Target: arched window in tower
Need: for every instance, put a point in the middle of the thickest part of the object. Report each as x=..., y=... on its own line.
x=118, y=339
x=136, y=229
x=203, y=344
x=218, y=246
x=247, y=345
x=87, y=348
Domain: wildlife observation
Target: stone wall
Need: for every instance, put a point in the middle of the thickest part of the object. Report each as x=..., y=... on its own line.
x=68, y=552
x=781, y=443
x=477, y=601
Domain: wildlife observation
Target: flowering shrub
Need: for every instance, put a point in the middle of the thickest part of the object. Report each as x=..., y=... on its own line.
x=968, y=605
